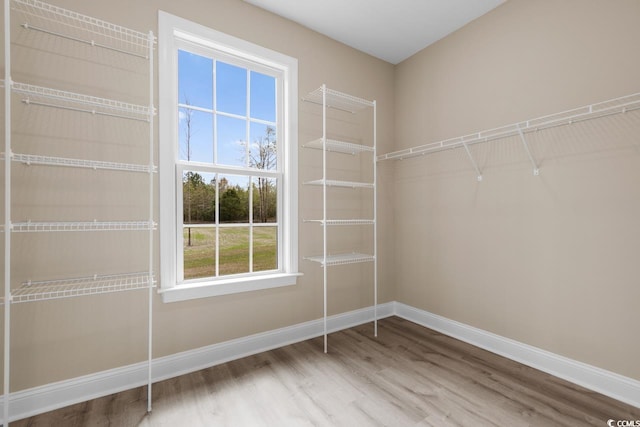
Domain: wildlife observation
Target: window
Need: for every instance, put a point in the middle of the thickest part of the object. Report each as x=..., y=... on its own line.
x=228, y=178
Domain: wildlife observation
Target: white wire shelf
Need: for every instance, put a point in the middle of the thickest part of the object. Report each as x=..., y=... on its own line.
x=602, y=109
x=341, y=259
x=38, y=227
x=56, y=289
x=335, y=183
x=339, y=146
x=31, y=159
x=71, y=25
x=47, y=97
x=339, y=100
x=342, y=221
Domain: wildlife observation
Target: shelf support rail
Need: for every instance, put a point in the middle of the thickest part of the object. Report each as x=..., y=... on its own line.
x=324, y=215
x=473, y=161
x=536, y=169
x=151, y=241
x=7, y=214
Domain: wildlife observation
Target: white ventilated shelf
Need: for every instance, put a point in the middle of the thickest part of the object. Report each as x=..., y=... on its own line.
x=342, y=221
x=31, y=159
x=339, y=100
x=52, y=28
x=341, y=259
x=339, y=146
x=38, y=227
x=56, y=289
x=47, y=97
x=335, y=183
x=601, y=109
x=54, y=20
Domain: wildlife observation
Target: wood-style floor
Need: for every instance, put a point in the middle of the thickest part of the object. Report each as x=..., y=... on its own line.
x=408, y=376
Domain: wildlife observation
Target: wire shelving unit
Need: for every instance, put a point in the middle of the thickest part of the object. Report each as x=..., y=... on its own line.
x=336, y=183
x=34, y=159
x=57, y=23
x=341, y=259
x=54, y=20
x=333, y=145
x=342, y=221
x=47, y=97
x=66, y=288
x=606, y=108
x=329, y=98
x=41, y=227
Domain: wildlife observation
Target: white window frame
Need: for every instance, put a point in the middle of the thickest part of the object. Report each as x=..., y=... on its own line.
x=173, y=33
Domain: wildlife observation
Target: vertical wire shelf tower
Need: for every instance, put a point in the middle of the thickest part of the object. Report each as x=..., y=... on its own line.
x=329, y=98
x=79, y=29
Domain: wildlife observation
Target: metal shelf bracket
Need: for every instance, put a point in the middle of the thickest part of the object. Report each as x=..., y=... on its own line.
x=473, y=161
x=536, y=169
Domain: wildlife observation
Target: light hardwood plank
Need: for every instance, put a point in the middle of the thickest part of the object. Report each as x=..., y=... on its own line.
x=408, y=376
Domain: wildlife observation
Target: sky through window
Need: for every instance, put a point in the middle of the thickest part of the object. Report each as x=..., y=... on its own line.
x=225, y=105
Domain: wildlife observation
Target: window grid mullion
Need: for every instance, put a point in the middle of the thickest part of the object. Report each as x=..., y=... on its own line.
x=217, y=218
x=247, y=164
x=225, y=114
x=215, y=114
x=250, y=224
x=216, y=209
x=251, y=174
x=247, y=121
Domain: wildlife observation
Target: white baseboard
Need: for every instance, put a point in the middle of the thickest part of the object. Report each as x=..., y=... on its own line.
x=599, y=380
x=64, y=393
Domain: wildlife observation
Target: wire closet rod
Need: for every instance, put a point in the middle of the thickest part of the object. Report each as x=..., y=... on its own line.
x=593, y=111
x=27, y=26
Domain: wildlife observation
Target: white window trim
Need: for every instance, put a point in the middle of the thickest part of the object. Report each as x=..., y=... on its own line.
x=170, y=29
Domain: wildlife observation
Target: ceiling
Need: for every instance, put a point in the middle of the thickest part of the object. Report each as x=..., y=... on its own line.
x=389, y=30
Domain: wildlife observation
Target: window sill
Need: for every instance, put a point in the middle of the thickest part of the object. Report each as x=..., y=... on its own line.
x=226, y=287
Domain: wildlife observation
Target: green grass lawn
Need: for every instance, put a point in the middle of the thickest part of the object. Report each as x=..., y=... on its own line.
x=199, y=258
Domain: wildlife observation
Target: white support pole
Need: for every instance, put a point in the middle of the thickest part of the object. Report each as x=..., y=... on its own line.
x=375, y=225
x=151, y=231
x=536, y=170
x=325, y=269
x=473, y=161
x=7, y=211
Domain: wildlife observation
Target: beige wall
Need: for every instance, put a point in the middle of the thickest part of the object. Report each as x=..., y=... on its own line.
x=58, y=340
x=551, y=261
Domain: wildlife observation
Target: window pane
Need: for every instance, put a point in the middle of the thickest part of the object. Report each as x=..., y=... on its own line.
x=234, y=250
x=195, y=135
x=198, y=198
x=265, y=248
x=199, y=252
x=263, y=147
x=195, y=80
x=263, y=97
x=232, y=145
x=231, y=89
x=234, y=199
x=265, y=200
